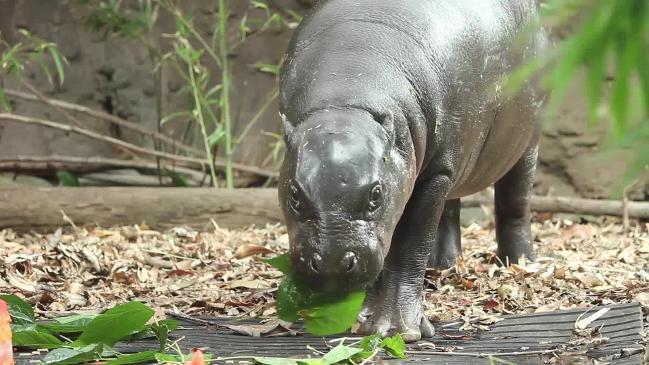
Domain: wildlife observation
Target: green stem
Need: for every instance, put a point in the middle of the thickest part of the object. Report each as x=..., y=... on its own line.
x=201, y=122
x=225, y=91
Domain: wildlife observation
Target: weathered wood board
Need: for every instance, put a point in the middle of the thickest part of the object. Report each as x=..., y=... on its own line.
x=513, y=339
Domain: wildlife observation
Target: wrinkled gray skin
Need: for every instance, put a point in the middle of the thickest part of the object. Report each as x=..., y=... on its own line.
x=392, y=113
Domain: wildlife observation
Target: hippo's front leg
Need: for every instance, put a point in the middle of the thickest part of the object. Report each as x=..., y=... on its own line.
x=394, y=303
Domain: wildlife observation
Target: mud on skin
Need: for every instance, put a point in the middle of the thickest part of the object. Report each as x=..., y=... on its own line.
x=392, y=112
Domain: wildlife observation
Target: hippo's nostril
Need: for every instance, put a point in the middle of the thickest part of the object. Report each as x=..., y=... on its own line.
x=349, y=261
x=315, y=263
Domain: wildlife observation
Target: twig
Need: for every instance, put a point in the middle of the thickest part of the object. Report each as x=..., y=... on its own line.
x=45, y=100
x=100, y=137
x=106, y=117
x=625, y=197
x=157, y=261
x=191, y=319
x=190, y=160
x=483, y=354
x=85, y=164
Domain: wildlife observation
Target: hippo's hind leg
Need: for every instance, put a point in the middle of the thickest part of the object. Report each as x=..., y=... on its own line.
x=447, y=245
x=513, y=193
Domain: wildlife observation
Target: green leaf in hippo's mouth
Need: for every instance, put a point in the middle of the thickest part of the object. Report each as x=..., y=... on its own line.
x=333, y=318
x=322, y=313
x=280, y=262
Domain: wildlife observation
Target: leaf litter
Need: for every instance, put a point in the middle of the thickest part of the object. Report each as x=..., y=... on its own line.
x=221, y=272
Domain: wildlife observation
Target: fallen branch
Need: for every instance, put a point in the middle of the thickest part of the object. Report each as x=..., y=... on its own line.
x=106, y=117
x=192, y=161
x=163, y=208
x=86, y=164
x=635, y=209
x=24, y=209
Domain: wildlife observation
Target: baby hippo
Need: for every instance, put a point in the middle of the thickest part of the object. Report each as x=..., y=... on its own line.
x=392, y=112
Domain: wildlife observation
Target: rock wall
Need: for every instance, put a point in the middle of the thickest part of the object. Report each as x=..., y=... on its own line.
x=115, y=75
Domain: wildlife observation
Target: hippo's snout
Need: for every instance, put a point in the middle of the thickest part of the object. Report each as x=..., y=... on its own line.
x=334, y=272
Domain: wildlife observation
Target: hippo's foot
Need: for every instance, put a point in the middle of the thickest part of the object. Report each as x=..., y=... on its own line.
x=442, y=261
x=447, y=245
x=510, y=251
x=387, y=315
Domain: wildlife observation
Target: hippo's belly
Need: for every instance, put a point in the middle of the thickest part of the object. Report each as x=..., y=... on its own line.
x=509, y=129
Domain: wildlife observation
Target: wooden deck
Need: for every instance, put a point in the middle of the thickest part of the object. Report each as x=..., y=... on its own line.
x=518, y=339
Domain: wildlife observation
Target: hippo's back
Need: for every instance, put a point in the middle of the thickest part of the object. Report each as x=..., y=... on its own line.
x=441, y=58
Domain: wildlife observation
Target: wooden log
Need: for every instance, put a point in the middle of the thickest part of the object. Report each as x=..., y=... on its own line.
x=41, y=208
x=636, y=209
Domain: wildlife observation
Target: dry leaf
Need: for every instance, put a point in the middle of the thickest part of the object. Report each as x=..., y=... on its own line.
x=273, y=328
x=628, y=255
x=589, y=279
x=250, y=284
x=248, y=250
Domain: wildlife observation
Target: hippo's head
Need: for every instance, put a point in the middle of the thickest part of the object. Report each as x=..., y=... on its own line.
x=342, y=188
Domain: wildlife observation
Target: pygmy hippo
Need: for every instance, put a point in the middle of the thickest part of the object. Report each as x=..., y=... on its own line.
x=393, y=111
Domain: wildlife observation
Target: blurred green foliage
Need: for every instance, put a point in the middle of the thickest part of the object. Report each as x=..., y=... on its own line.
x=606, y=42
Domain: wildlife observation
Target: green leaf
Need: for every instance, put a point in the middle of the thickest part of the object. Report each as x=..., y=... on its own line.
x=369, y=344
x=215, y=137
x=184, y=114
x=267, y=68
x=21, y=313
x=280, y=262
x=64, y=356
x=595, y=79
x=340, y=353
x=258, y=4
x=162, y=329
x=5, y=104
x=310, y=362
x=275, y=361
x=35, y=339
x=116, y=324
x=333, y=318
x=67, y=179
x=395, y=346
x=146, y=356
x=69, y=324
x=178, y=180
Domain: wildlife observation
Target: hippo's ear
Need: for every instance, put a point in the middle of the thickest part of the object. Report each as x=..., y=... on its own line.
x=287, y=128
x=386, y=119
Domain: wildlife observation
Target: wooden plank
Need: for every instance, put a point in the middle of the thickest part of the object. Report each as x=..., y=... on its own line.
x=518, y=333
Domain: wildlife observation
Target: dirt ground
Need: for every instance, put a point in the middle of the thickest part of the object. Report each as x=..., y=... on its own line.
x=219, y=272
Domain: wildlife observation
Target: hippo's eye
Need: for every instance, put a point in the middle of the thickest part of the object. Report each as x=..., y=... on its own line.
x=294, y=199
x=376, y=195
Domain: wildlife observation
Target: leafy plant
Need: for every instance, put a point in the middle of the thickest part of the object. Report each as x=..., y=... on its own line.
x=192, y=57
x=606, y=35
x=31, y=50
x=80, y=338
